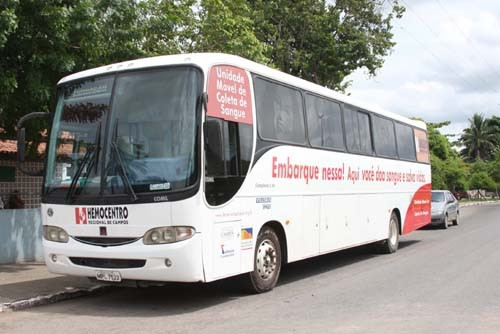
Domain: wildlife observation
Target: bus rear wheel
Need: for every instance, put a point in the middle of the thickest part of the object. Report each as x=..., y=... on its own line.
x=391, y=244
x=267, y=262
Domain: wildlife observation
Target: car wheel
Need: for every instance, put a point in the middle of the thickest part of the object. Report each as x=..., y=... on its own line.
x=391, y=244
x=455, y=221
x=445, y=222
x=267, y=262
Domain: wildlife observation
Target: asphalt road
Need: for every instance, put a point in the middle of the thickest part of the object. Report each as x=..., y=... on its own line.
x=439, y=281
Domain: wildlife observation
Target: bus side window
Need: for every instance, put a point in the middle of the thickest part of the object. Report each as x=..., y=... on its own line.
x=279, y=112
x=421, y=145
x=405, y=140
x=384, y=137
x=351, y=129
x=214, y=152
x=357, y=131
x=324, y=123
x=228, y=150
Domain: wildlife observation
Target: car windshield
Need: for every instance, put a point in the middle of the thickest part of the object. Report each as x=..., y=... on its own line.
x=438, y=197
x=127, y=133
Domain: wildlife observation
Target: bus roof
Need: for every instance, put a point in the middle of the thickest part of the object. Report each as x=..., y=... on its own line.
x=206, y=60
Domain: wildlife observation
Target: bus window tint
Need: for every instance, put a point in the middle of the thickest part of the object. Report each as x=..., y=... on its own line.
x=404, y=138
x=279, y=112
x=324, y=123
x=365, y=137
x=228, y=150
x=245, y=145
x=357, y=131
x=351, y=129
x=384, y=138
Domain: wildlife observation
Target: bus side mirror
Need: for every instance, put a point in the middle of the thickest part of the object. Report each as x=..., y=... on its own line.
x=21, y=141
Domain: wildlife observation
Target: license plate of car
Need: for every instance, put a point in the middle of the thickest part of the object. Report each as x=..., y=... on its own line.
x=108, y=276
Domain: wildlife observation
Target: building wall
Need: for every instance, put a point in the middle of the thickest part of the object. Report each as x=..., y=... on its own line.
x=20, y=236
x=29, y=187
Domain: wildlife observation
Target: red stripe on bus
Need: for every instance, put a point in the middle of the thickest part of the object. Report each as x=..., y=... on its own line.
x=419, y=211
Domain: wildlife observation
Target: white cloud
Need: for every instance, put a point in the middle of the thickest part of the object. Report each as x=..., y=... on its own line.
x=444, y=66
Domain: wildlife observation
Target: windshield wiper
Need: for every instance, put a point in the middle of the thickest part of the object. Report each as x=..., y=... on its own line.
x=123, y=172
x=88, y=157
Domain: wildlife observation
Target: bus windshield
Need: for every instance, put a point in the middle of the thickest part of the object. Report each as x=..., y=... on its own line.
x=128, y=133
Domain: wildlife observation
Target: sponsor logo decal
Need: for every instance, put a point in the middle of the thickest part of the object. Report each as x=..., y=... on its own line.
x=104, y=215
x=227, y=233
x=246, y=233
x=226, y=251
x=246, y=238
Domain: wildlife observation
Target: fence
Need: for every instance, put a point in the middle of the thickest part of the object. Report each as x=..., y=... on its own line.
x=28, y=187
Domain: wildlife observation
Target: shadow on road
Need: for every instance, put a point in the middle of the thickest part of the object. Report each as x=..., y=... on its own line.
x=180, y=298
x=6, y=268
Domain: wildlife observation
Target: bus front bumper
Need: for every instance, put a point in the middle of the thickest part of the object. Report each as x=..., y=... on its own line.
x=175, y=262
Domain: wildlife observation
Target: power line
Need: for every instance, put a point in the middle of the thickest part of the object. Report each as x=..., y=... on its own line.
x=442, y=42
x=471, y=42
x=438, y=59
x=443, y=63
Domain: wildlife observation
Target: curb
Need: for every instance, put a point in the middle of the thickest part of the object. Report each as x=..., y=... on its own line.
x=477, y=203
x=69, y=293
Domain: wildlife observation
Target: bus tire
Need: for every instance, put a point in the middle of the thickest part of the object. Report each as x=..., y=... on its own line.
x=391, y=244
x=267, y=262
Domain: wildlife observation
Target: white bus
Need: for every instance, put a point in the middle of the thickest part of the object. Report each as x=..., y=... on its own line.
x=197, y=167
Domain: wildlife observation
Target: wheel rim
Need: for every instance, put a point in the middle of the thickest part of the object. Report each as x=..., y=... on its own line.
x=266, y=259
x=393, y=233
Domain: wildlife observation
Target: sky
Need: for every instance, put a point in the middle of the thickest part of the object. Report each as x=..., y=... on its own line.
x=445, y=65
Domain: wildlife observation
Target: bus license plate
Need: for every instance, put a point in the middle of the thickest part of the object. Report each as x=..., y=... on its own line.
x=108, y=276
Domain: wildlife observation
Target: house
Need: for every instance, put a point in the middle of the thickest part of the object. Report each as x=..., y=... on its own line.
x=11, y=179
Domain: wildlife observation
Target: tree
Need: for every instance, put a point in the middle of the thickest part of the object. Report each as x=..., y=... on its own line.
x=448, y=170
x=323, y=41
x=168, y=27
x=481, y=180
x=438, y=143
x=227, y=26
x=478, y=139
x=33, y=54
x=494, y=129
x=42, y=41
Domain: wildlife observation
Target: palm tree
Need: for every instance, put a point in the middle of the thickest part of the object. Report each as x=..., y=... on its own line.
x=478, y=139
x=494, y=126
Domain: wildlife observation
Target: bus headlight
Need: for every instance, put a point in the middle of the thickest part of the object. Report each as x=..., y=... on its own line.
x=166, y=235
x=54, y=233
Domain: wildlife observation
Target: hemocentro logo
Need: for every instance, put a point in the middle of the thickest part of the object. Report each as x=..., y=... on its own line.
x=81, y=215
x=110, y=215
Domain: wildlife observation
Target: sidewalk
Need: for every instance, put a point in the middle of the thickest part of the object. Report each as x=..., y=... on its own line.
x=30, y=284
x=472, y=203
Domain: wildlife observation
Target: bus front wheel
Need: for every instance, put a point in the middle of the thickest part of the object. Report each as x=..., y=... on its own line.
x=267, y=262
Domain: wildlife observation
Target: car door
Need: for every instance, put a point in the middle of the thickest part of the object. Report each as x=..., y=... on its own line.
x=451, y=206
x=456, y=204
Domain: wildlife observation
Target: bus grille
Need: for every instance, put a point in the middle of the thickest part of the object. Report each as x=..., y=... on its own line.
x=105, y=241
x=107, y=263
